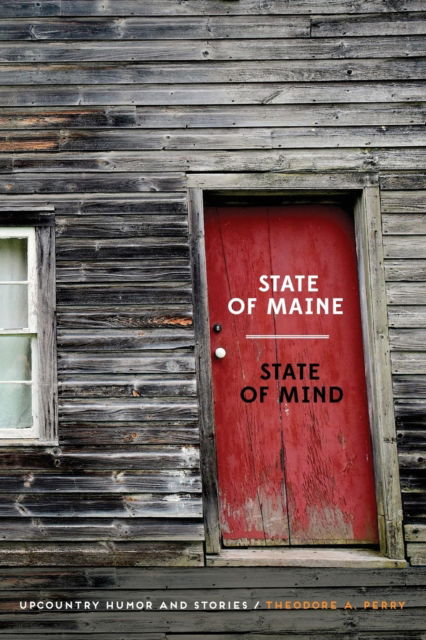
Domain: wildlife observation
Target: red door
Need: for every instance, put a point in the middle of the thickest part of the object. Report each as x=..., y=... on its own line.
x=291, y=418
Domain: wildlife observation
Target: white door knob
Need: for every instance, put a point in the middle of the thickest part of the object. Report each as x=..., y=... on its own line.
x=220, y=352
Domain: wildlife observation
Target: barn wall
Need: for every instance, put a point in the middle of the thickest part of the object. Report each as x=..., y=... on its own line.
x=107, y=107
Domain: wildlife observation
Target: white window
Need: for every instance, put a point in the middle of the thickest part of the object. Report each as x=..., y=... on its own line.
x=19, y=415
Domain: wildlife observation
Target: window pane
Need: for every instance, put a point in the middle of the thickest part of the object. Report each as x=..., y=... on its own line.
x=13, y=306
x=15, y=403
x=13, y=259
x=15, y=358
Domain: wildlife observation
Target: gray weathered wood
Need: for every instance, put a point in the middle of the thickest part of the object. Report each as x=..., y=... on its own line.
x=403, y=201
x=369, y=25
x=408, y=339
x=165, y=270
x=361, y=51
x=67, y=458
x=378, y=370
x=121, y=317
x=290, y=69
x=407, y=316
x=101, y=554
x=116, y=363
x=166, y=27
x=119, y=481
x=289, y=92
x=260, y=105
x=409, y=386
x=403, y=270
x=217, y=138
x=31, y=8
x=408, y=362
x=406, y=246
x=134, y=409
x=404, y=224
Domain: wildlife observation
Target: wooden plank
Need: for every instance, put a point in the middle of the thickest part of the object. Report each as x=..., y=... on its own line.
x=399, y=181
x=276, y=61
x=117, y=249
x=32, y=8
x=73, y=458
x=98, y=506
x=99, y=529
x=28, y=169
x=217, y=138
x=361, y=51
x=126, y=386
x=413, y=386
x=100, y=554
x=411, y=439
x=88, y=481
x=120, y=317
x=135, y=340
x=397, y=270
x=121, y=226
x=123, y=294
x=408, y=362
x=407, y=316
x=378, y=370
x=81, y=183
x=404, y=224
x=403, y=201
x=408, y=339
x=206, y=622
x=406, y=292
x=240, y=113
x=119, y=410
x=108, y=434
x=368, y=25
x=166, y=27
x=74, y=580
x=166, y=270
x=405, y=247
x=191, y=94
x=415, y=532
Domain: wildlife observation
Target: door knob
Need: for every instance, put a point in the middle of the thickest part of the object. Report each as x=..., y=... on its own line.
x=220, y=352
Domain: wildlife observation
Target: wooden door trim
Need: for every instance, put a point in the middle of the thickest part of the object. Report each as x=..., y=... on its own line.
x=369, y=247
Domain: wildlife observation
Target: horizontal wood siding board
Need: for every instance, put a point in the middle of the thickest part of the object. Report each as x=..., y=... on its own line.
x=403, y=201
x=408, y=339
x=100, y=554
x=407, y=316
x=93, y=506
x=97, y=435
x=404, y=246
x=132, y=340
x=134, y=409
x=102, y=529
x=166, y=27
x=368, y=25
x=88, y=172
x=405, y=269
x=234, y=92
x=165, y=271
x=218, y=138
x=141, y=385
x=132, y=363
x=409, y=386
x=75, y=8
x=118, y=317
x=408, y=362
x=69, y=458
x=108, y=64
x=359, y=51
x=109, y=482
x=214, y=114
x=104, y=182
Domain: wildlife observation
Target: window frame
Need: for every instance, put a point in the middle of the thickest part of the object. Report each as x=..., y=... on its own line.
x=37, y=224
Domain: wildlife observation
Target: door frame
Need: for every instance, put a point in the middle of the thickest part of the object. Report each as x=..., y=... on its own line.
x=369, y=247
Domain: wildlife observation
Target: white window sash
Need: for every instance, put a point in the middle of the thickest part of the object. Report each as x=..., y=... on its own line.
x=30, y=331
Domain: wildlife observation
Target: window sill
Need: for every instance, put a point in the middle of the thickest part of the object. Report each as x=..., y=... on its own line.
x=27, y=442
x=304, y=557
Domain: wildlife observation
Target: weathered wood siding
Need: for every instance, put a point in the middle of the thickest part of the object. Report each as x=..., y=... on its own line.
x=107, y=106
